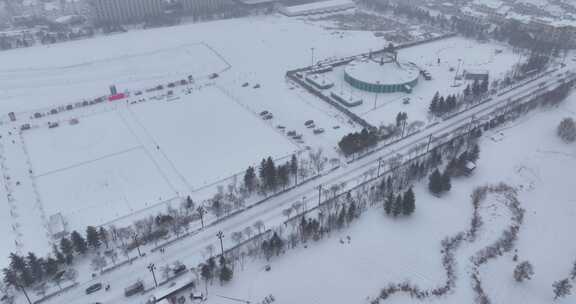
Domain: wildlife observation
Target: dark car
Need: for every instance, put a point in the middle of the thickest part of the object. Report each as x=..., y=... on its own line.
x=134, y=289
x=94, y=288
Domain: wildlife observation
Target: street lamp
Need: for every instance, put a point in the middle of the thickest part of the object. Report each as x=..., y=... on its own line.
x=312, y=51
x=220, y=235
x=201, y=212
x=152, y=267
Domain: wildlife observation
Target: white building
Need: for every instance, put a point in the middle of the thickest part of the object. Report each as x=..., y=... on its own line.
x=317, y=7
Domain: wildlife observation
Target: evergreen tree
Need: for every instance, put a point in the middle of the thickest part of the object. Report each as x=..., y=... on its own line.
x=67, y=250
x=409, y=202
x=442, y=105
x=397, y=208
x=58, y=254
x=50, y=267
x=225, y=274
x=435, y=182
x=467, y=91
x=20, y=268
x=250, y=181
x=10, y=277
x=351, y=212
x=93, y=237
x=276, y=244
x=484, y=86
x=206, y=272
x=434, y=104
x=341, y=217
x=283, y=175
x=476, y=89
x=270, y=176
x=35, y=266
x=562, y=288
x=294, y=166
x=79, y=242
x=189, y=205
x=389, y=203
x=474, y=154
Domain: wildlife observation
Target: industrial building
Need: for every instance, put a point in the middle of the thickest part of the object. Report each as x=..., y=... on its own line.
x=135, y=11
x=381, y=77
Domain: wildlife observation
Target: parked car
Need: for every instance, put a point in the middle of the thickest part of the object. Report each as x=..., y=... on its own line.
x=134, y=289
x=245, y=84
x=291, y=133
x=213, y=76
x=268, y=116
x=309, y=122
x=93, y=288
x=257, y=86
x=318, y=131
x=264, y=113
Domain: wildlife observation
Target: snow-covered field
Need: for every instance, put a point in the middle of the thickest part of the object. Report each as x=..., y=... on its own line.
x=208, y=136
x=111, y=158
x=382, y=250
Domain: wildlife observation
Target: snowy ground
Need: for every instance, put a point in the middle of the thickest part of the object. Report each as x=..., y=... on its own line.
x=529, y=157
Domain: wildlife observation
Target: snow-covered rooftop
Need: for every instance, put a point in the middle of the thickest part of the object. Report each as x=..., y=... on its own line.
x=388, y=73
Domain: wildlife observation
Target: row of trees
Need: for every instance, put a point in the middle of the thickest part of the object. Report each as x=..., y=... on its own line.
x=28, y=270
x=401, y=204
x=440, y=105
x=358, y=141
x=271, y=177
x=209, y=270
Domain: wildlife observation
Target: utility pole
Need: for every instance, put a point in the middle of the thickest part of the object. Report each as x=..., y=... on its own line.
x=152, y=267
x=220, y=235
x=319, y=194
x=379, y=162
x=429, y=141
x=312, y=51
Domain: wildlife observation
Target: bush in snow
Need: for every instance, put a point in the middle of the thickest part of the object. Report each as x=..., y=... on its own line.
x=567, y=130
x=523, y=271
x=562, y=288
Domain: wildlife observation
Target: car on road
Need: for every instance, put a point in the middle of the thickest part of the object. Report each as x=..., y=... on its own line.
x=93, y=288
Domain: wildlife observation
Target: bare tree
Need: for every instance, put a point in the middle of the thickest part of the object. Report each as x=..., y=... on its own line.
x=259, y=225
x=112, y=255
x=98, y=263
x=523, y=272
x=318, y=160
x=248, y=232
